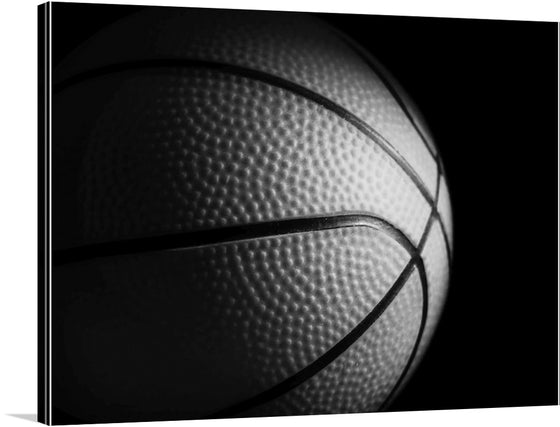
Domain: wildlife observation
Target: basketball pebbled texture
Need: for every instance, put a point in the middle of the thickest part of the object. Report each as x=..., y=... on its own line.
x=291, y=46
x=217, y=150
x=239, y=318
x=362, y=377
x=147, y=149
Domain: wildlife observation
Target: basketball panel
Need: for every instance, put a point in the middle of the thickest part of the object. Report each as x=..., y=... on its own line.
x=181, y=150
x=361, y=378
x=291, y=46
x=191, y=332
x=434, y=255
x=444, y=209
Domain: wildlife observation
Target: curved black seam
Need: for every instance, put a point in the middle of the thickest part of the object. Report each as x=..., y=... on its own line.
x=156, y=243
x=230, y=234
x=274, y=81
x=334, y=352
x=438, y=188
x=269, y=79
x=424, y=316
x=373, y=65
x=349, y=339
x=272, y=228
x=434, y=215
x=328, y=357
x=412, y=356
x=445, y=239
x=443, y=230
x=441, y=175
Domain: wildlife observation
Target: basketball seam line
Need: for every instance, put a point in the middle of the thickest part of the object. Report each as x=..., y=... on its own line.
x=282, y=227
x=416, y=259
x=271, y=229
x=373, y=135
x=440, y=220
x=329, y=356
x=350, y=338
x=435, y=211
x=373, y=65
x=272, y=80
x=266, y=78
x=230, y=234
x=425, y=296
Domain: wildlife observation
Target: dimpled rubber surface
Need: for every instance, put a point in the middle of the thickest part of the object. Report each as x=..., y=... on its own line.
x=292, y=46
x=444, y=208
x=199, y=329
x=410, y=106
x=361, y=378
x=178, y=150
x=157, y=150
x=415, y=114
x=436, y=265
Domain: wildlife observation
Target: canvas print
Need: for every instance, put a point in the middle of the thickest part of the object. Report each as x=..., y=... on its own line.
x=247, y=213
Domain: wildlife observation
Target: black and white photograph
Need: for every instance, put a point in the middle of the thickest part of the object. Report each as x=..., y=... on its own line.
x=252, y=213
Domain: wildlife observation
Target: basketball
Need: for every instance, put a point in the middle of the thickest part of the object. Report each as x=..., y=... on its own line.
x=255, y=221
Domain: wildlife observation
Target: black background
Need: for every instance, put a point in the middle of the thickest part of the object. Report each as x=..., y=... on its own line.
x=488, y=90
